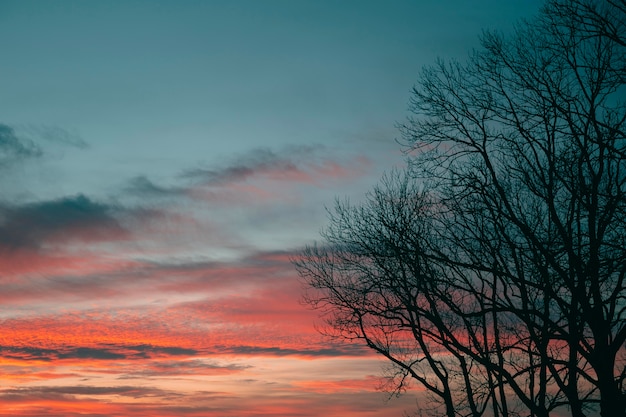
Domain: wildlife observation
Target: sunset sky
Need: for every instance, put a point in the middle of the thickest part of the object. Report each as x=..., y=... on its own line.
x=161, y=161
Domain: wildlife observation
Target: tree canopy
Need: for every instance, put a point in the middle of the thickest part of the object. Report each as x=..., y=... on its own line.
x=492, y=272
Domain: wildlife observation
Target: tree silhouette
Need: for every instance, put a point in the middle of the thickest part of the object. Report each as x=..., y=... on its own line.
x=493, y=271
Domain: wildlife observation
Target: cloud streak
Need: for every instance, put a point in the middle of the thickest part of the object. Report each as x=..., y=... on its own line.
x=144, y=187
x=56, y=134
x=294, y=164
x=14, y=148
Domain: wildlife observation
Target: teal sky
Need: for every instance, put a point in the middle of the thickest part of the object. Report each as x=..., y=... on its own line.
x=161, y=161
x=159, y=86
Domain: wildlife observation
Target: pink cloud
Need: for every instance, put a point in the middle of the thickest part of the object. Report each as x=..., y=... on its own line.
x=368, y=384
x=256, y=178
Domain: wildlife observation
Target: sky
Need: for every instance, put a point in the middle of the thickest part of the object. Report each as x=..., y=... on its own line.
x=160, y=164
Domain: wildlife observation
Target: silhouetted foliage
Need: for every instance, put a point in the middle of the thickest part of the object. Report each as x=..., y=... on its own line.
x=492, y=273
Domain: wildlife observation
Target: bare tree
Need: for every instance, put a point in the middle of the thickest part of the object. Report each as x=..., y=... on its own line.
x=493, y=274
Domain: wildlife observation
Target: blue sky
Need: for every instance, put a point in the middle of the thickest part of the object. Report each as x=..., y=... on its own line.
x=161, y=86
x=159, y=163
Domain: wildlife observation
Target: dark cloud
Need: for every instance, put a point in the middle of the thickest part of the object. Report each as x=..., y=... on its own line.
x=346, y=350
x=91, y=353
x=141, y=352
x=109, y=352
x=68, y=218
x=28, y=353
x=146, y=350
x=13, y=148
x=50, y=392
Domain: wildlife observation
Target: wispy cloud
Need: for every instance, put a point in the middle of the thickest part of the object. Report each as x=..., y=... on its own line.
x=23, y=142
x=259, y=162
x=55, y=134
x=294, y=164
x=170, y=368
x=144, y=187
x=13, y=148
